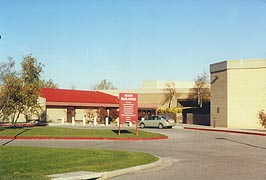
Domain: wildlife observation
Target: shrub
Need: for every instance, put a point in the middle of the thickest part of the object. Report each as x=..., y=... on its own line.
x=262, y=118
x=170, y=110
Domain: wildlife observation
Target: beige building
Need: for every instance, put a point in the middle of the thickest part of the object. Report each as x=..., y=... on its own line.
x=64, y=105
x=238, y=92
x=152, y=93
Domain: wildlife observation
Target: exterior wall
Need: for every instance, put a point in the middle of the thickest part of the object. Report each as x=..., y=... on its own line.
x=33, y=117
x=153, y=98
x=154, y=84
x=80, y=113
x=55, y=115
x=246, y=96
x=239, y=92
x=90, y=113
x=219, y=99
x=21, y=119
x=199, y=119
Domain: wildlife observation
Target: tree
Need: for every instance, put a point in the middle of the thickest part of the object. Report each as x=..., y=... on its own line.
x=31, y=77
x=103, y=85
x=170, y=93
x=201, y=90
x=19, y=91
x=262, y=118
x=10, y=90
x=49, y=84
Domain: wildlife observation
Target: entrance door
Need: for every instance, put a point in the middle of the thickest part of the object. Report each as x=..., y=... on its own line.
x=70, y=113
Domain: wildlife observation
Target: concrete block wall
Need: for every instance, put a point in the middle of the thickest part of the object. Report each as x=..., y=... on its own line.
x=219, y=99
x=238, y=92
x=246, y=96
x=55, y=115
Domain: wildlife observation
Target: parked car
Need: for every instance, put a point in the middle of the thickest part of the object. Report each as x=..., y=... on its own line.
x=160, y=121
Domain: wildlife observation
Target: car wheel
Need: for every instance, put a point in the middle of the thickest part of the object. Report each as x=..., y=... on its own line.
x=160, y=126
x=142, y=125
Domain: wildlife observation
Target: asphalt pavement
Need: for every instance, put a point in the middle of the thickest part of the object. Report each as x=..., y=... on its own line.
x=194, y=153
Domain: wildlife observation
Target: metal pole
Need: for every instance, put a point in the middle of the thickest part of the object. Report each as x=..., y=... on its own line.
x=119, y=129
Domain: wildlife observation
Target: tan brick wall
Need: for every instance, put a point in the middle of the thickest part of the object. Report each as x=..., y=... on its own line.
x=42, y=102
x=55, y=114
x=246, y=96
x=80, y=114
x=219, y=99
x=239, y=92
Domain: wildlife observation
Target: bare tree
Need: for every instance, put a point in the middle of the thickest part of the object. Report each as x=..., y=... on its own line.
x=49, y=84
x=103, y=85
x=73, y=87
x=201, y=90
x=170, y=94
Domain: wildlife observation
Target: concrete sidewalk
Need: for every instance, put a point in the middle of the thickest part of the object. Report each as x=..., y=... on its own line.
x=220, y=129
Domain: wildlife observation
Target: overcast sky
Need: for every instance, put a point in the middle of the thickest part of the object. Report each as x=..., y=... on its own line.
x=82, y=42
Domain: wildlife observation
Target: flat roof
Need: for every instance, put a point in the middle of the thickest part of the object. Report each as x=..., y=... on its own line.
x=238, y=64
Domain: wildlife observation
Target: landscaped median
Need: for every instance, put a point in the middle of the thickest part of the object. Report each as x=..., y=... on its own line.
x=37, y=163
x=72, y=133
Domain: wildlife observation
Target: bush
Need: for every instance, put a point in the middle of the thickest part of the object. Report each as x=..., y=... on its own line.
x=169, y=110
x=262, y=118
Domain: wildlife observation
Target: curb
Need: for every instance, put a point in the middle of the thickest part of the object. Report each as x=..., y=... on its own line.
x=80, y=138
x=164, y=162
x=228, y=131
x=111, y=174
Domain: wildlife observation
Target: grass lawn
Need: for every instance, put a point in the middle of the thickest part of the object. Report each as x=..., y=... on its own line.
x=36, y=163
x=69, y=132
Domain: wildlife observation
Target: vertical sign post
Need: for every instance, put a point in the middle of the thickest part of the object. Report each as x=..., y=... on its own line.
x=128, y=109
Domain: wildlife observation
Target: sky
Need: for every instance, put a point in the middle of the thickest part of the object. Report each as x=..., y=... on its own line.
x=82, y=42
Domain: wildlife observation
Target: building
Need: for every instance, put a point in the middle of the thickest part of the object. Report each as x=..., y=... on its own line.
x=67, y=104
x=238, y=92
x=152, y=93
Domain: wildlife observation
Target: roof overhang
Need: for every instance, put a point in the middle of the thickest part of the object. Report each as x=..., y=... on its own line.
x=81, y=104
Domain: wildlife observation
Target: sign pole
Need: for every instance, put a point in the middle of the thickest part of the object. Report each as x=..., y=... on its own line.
x=119, y=129
x=137, y=128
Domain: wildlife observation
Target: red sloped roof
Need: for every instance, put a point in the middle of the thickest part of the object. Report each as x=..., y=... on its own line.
x=77, y=96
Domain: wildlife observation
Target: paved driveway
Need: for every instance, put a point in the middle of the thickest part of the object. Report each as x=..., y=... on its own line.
x=195, y=154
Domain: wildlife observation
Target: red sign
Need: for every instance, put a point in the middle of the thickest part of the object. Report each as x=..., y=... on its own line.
x=128, y=107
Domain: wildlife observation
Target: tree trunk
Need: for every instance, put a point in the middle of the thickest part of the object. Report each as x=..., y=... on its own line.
x=170, y=102
x=15, y=118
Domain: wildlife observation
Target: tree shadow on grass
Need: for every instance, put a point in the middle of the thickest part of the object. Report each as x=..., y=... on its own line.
x=122, y=132
x=2, y=128
x=243, y=143
x=15, y=137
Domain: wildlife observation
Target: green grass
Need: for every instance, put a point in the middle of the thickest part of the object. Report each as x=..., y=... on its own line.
x=71, y=132
x=36, y=163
